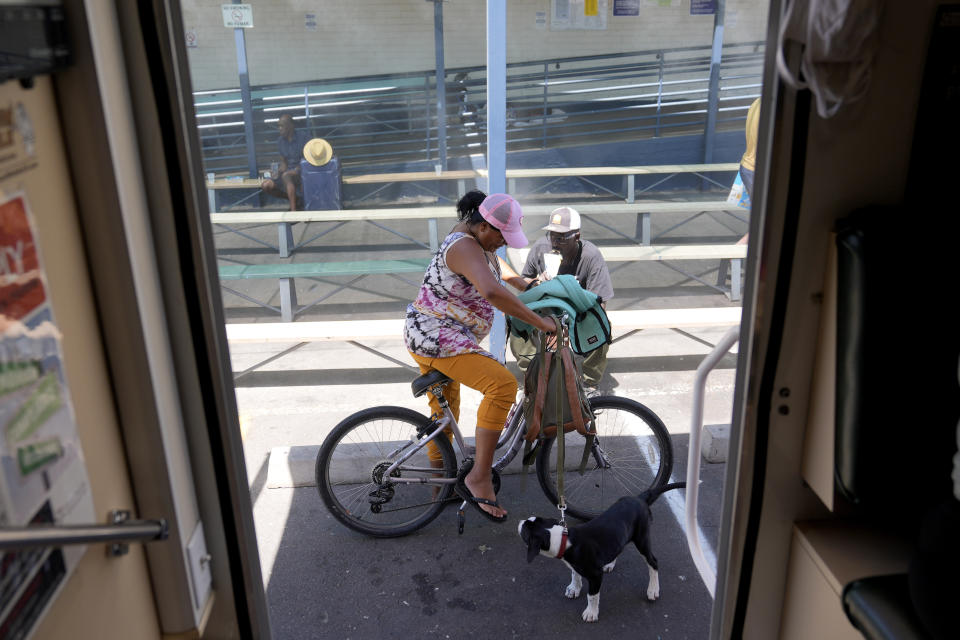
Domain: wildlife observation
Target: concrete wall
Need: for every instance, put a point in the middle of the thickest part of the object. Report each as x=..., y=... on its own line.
x=364, y=37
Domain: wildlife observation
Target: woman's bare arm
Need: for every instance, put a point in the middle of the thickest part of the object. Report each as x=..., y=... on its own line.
x=466, y=258
x=511, y=277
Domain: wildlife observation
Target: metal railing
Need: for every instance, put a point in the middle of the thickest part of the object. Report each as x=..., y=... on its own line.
x=707, y=572
x=550, y=103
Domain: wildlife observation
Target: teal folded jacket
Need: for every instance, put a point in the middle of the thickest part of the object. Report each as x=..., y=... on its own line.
x=587, y=321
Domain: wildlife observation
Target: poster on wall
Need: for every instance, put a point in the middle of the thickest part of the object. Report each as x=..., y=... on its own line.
x=43, y=476
x=578, y=14
x=626, y=7
x=703, y=7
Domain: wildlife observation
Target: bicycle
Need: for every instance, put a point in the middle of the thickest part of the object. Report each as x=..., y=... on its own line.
x=374, y=476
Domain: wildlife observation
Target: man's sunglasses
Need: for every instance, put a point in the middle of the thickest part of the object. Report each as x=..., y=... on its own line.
x=556, y=236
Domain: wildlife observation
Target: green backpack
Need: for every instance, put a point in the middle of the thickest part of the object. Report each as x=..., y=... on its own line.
x=588, y=323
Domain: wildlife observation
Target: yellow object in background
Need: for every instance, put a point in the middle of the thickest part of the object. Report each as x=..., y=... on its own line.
x=591, y=7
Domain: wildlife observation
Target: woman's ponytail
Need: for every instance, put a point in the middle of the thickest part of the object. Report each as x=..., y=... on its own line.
x=468, y=207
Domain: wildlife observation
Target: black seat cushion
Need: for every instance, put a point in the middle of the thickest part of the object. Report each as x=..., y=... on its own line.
x=880, y=608
x=935, y=571
x=424, y=382
x=897, y=397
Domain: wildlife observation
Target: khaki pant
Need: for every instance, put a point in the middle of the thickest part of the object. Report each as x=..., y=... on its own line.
x=593, y=364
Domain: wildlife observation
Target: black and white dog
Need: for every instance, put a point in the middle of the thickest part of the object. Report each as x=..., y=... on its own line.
x=591, y=549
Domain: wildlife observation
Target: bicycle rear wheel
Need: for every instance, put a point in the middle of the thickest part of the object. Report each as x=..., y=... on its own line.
x=351, y=465
x=632, y=452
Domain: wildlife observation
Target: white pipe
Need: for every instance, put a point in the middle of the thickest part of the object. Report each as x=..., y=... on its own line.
x=707, y=572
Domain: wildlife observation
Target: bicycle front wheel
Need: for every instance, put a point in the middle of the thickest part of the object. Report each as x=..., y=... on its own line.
x=631, y=453
x=352, y=473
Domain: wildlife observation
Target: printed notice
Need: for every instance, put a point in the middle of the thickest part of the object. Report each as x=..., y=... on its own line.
x=43, y=478
x=237, y=16
x=578, y=14
x=626, y=7
x=703, y=7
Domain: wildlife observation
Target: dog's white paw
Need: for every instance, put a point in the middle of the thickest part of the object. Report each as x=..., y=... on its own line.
x=592, y=612
x=653, y=587
x=607, y=568
x=576, y=583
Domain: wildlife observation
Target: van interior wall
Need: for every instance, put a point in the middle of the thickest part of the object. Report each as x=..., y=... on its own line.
x=860, y=157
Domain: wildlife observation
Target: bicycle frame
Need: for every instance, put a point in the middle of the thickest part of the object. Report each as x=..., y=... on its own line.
x=514, y=429
x=512, y=433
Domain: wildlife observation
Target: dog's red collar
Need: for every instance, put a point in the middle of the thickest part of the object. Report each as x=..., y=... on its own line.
x=563, y=544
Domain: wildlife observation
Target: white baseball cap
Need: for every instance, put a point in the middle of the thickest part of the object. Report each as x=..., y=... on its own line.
x=564, y=219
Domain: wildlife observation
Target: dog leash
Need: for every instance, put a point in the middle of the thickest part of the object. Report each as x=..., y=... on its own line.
x=561, y=433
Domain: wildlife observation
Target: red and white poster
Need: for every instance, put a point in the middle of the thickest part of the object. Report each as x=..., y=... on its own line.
x=43, y=478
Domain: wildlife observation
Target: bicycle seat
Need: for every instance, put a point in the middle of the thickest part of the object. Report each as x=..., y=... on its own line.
x=424, y=382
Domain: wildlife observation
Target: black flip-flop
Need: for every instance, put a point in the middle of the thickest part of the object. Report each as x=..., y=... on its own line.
x=461, y=490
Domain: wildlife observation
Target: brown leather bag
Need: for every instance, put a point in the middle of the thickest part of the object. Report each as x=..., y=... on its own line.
x=549, y=375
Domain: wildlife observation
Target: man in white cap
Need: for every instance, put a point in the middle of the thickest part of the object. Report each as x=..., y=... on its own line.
x=579, y=258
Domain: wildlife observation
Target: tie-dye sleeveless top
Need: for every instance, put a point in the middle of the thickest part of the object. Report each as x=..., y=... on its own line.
x=449, y=316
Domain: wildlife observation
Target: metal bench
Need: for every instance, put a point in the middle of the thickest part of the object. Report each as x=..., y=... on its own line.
x=731, y=258
x=622, y=321
x=462, y=176
x=377, y=217
x=286, y=274
x=552, y=174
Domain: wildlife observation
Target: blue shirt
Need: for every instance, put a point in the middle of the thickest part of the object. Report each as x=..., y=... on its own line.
x=292, y=150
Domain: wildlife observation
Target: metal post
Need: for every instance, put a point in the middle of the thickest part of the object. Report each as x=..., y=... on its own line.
x=441, y=84
x=306, y=109
x=546, y=84
x=497, y=131
x=426, y=113
x=244, y=76
x=496, y=94
x=713, y=96
x=661, y=55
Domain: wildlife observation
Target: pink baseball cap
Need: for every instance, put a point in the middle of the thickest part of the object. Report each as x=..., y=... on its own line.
x=504, y=213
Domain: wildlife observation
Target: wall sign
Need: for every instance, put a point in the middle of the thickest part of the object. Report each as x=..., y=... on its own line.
x=237, y=16
x=703, y=7
x=626, y=7
x=578, y=14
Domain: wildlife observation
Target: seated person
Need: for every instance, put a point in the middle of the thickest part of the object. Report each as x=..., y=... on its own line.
x=286, y=183
x=579, y=258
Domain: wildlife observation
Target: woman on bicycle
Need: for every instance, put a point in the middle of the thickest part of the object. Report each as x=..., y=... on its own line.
x=453, y=313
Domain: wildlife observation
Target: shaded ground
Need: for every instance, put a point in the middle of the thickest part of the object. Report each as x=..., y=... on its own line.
x=329, y=582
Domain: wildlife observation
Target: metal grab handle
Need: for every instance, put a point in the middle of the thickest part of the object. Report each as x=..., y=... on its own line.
x=693, y=455
x=118, y=534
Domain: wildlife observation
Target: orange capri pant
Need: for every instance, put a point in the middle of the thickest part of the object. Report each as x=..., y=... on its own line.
x=486, y=375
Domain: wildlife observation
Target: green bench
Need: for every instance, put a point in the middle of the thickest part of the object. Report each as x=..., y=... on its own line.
x=286, y=274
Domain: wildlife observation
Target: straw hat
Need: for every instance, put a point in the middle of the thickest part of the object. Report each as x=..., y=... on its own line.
x=318, y=152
